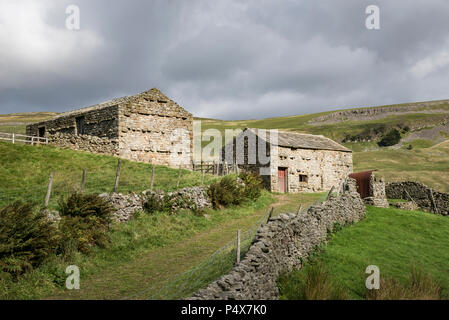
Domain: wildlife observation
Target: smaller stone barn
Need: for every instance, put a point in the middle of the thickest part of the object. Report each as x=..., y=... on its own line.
x=146, y=127
x=294, y=162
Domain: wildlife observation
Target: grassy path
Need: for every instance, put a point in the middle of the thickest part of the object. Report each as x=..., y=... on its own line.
x=154, y=268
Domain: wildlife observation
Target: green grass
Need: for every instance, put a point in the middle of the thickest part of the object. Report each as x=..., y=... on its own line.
x=24, y=173
x=427, y=165
x=143, y=255
x=392, y=239
x=419, y=144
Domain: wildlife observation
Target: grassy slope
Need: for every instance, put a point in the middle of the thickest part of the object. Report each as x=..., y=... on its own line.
x=427, y=165
x=148, y=252
x=24, y=172
x=16, y=123
x=407, y=238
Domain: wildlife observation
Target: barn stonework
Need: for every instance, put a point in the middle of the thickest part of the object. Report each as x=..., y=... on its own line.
x=296, y=162
x=146, y=127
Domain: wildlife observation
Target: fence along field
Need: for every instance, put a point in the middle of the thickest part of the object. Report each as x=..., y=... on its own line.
x=25, y=171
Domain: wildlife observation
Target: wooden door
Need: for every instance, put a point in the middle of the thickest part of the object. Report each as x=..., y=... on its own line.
x=282, y=180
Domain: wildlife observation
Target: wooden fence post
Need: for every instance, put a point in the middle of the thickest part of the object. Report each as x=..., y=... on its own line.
x=238, y=246
x=50, y=184
x=330, y=191
x=202, y=173
x=13, y=138
x=117, y=176
x=83, y=180
x=152, y=176
x=270, y=214
x=300, y=207
x=179, y=177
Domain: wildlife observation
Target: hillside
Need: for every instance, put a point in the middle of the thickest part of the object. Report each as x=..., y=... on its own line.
x=424, y=127
x=408, y=238
x=24, y=173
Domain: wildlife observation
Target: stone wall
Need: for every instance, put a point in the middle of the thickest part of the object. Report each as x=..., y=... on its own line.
x=322, y=169
x=281, y=245
x=426, y=198
x=125, y=205
x=98, y=122
x=149, y=132
x=146, y=127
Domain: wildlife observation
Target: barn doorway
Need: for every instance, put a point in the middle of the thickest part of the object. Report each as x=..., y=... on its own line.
x=41, y=132
x=282, y=180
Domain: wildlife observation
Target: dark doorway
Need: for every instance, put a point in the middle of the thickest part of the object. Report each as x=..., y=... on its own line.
x=282, y=180
x=363, y=182
x=80, y=125
x=41, y=132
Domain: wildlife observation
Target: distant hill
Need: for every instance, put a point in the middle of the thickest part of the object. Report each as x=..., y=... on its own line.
x=422, y=124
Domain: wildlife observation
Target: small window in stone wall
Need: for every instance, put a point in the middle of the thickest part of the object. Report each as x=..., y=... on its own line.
x=303, y=178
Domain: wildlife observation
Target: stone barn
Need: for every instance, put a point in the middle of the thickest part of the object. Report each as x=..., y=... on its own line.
x=296, y=162
x=146, y=127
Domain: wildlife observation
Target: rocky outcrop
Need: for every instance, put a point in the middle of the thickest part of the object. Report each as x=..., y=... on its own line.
x=426, y=198
x=281, y=245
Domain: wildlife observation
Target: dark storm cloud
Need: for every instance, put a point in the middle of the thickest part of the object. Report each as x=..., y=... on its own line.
x=227, y=59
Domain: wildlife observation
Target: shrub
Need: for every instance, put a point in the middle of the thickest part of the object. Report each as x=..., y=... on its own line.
x=390, y=139
x=252, y=185
x=226, y=192
x=26, y=238
x=85, y=222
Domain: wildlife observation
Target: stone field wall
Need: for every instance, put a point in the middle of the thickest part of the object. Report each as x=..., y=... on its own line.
x=280, y=245
x=426, y=198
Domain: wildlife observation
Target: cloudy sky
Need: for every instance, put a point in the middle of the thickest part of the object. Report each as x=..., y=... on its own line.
x=225, y=59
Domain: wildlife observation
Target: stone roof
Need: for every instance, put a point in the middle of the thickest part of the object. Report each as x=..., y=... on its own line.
x=153, y=95
x=305, y=141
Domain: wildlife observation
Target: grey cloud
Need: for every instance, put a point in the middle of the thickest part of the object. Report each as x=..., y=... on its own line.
x=228, y=59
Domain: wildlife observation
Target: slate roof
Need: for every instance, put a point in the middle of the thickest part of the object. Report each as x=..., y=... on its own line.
x=305, y=141
x=153, y=95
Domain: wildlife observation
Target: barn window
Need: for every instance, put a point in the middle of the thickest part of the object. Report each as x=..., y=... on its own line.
x=80, y=125
x=303, y=178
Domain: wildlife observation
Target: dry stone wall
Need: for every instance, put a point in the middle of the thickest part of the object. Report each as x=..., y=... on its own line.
x=426, y=198
x=281, y=245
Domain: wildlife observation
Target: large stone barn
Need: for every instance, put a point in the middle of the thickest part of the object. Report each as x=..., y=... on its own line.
x=294, y=162
x=144, y=127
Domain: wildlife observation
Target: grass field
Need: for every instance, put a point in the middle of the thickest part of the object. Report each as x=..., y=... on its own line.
x=150, y=251
x=391, y=239
x=24, y=173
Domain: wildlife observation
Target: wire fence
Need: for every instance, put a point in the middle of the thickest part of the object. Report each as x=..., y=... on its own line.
x=218, y=264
